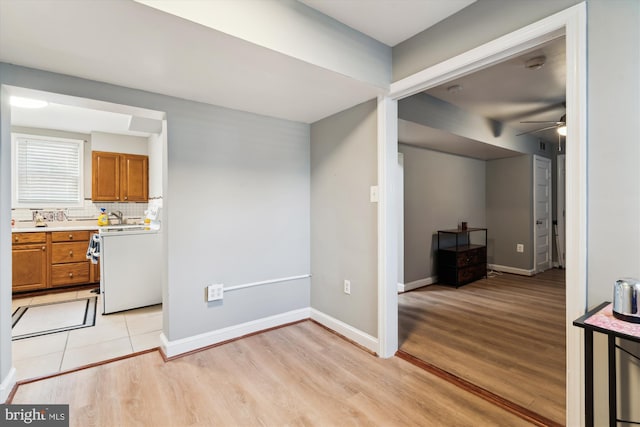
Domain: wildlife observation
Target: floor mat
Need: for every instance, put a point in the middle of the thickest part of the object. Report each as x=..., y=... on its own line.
x=43, y=319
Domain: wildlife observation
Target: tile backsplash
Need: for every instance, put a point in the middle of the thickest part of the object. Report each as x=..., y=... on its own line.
x=89, y=210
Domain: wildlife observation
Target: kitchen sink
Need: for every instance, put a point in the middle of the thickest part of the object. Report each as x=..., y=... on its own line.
x=119, y=228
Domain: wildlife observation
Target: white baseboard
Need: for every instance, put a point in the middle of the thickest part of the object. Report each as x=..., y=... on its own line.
x=348, y=331
x=512, y=270
x=185, y=345
x=417, y=284
x=7, y=385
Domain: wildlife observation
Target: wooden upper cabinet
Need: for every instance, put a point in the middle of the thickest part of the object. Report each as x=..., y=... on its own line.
x=105, y=176
x=119, y=177
x=135, y=178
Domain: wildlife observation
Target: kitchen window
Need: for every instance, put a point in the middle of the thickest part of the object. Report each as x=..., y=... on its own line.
x=47, y=171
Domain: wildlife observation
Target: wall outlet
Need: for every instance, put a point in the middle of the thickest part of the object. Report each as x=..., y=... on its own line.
x=520, y=248
x=214, y=292
x=347, y=287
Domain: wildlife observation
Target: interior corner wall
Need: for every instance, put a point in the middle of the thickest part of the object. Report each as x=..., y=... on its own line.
x=510, y=211
x=343, y=219
x=440, y=190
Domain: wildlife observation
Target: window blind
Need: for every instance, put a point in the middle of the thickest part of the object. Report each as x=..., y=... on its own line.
x=48, y=172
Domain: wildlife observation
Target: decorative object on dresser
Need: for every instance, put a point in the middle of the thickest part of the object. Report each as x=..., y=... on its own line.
x=462, y=255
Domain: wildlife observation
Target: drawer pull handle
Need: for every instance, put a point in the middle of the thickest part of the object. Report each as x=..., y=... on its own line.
x=70, y=236
x=70, y=274
x=70, y=253
x=16, y=238
x=126, y=197
x=44, y=248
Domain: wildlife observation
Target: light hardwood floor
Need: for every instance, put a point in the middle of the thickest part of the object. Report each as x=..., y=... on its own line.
x=505, y=334
x=300, y=374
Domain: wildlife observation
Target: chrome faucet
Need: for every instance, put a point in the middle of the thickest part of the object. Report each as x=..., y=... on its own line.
x=118, y=214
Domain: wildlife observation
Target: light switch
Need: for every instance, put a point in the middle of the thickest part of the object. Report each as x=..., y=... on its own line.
x=373, y=194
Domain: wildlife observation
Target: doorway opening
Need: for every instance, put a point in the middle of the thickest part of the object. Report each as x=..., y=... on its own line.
x=136, y=135
x=571, y=24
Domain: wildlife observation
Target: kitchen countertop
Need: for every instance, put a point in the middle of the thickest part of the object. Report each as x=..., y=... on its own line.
x=30, y=227
x=89, y=225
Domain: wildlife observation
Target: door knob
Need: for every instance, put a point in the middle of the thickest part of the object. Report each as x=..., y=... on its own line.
x=539, y=222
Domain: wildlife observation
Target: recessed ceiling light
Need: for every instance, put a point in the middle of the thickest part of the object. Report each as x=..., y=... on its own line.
x=18, y=101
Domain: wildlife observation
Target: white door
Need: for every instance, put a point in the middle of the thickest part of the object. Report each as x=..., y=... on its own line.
x=542, y=213
x=400, y=203
x=560, y=209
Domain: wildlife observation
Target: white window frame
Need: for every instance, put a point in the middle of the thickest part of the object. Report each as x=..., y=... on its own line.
x=14, y=173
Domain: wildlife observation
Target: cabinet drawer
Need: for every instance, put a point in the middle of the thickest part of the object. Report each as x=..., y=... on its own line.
x=69, y=252
x=471, y=257
x=461, y=276
x=471, y=274
x=69, y=274
x=29, y=237
x=70, y=236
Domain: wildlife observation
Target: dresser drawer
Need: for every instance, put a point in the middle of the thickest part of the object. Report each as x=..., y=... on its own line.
x=472, y=257
x=69, y=274
x=69, y=252
x=70, y=236
x=29, y=238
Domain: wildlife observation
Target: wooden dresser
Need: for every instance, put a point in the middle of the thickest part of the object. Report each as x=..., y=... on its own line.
x=462, y=255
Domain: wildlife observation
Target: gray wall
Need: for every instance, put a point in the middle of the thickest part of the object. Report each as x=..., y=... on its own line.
x=440, y=190
x=613, y=158
x=474, y=25
x=343, y=220
x=237, y=205
x=510, y=211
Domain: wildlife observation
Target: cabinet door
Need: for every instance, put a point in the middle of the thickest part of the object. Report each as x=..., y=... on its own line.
x=29, y=267
x=135, y=178
x=105, y=176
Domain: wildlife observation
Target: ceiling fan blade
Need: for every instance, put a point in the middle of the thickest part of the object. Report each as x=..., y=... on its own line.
x=537, y=130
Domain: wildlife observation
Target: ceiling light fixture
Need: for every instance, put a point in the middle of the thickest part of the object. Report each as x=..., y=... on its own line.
x=18, y=101
x=562, y=130
x=535, y=63
x=454, y=89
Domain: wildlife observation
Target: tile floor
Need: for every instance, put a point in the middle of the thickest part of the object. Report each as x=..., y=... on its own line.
x=113, y=335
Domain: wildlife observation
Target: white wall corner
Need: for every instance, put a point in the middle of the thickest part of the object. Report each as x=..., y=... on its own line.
x=348, y=331
x=7, y=385
x=512, y=270
x=417, y=284
x=200, y=341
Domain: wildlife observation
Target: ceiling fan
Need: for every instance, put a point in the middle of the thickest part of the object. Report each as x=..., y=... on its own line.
x=560, y=126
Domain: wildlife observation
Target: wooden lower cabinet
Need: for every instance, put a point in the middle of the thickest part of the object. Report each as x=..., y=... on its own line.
x=54, y=259
x=30, y=267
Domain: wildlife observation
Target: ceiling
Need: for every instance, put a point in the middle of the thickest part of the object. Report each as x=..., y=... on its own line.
x=508, y=92
x=104, y=41
x=389, y=21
